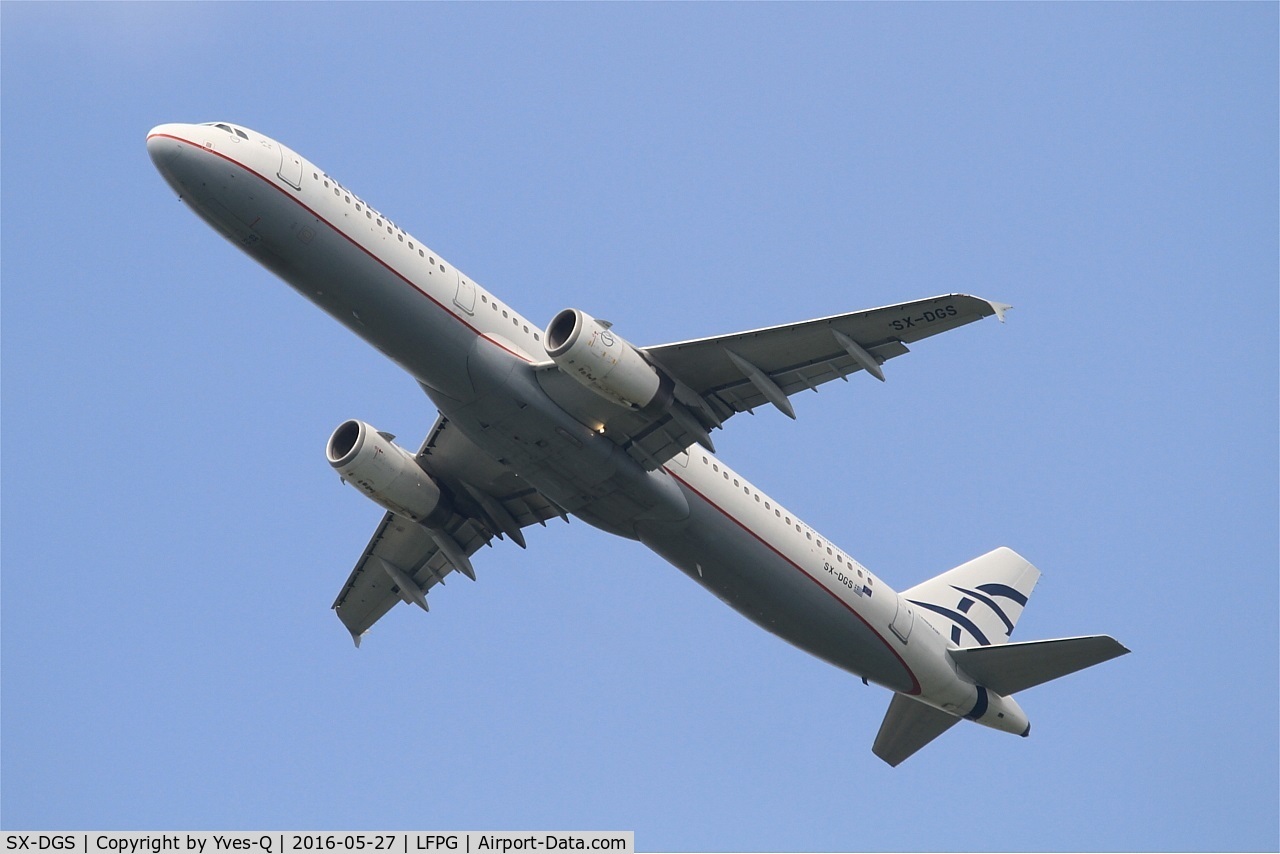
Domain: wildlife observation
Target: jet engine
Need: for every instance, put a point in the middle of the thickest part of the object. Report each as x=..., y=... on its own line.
x=384, y=471
x=588, y=350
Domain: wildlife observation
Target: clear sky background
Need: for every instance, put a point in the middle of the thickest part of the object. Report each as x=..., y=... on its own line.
x=172, y=537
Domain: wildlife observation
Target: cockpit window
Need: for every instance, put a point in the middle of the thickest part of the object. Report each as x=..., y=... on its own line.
x=229, y=129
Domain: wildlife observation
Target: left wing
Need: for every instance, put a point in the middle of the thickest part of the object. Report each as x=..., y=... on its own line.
x=404, y=560
x=715, y=378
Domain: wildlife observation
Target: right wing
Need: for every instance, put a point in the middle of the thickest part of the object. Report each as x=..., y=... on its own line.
x=715, y=378
x=489, y=500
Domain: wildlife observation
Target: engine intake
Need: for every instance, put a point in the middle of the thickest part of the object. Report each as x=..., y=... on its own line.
x=385, y=472
x=589, y=351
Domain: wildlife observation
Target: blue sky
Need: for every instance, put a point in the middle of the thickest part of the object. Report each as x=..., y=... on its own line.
x=172, y=538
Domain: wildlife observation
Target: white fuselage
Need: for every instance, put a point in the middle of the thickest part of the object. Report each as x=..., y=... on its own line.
x=474, y=356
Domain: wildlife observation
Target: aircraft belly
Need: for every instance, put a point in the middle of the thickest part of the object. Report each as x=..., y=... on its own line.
x=510, y=417
x=398, y=318
x=772, y=592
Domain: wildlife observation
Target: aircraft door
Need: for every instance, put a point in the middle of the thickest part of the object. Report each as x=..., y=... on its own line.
x=290, y=168
x=903, y=620
x=465, y=297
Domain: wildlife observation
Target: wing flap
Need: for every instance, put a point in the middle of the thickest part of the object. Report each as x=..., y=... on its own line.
x=473, y=480
x=720, y=376
x=370, y=591
x=803, y=355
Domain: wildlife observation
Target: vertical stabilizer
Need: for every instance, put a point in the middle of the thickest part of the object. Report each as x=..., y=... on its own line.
x=978, y=603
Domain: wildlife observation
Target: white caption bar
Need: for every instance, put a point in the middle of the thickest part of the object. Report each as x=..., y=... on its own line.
x=299, y=842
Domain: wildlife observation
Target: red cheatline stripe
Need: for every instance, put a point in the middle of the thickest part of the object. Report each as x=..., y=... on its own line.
x=915, y=689
x=342, y=233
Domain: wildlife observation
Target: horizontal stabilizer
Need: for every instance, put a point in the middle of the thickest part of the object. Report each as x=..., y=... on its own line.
x=908, y=726
x=1012, y=667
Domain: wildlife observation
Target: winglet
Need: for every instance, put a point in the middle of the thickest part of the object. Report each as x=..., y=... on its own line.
x=999, y=308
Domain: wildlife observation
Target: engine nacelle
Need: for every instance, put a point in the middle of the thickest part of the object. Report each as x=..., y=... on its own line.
x=587, y=350
x=384, y=471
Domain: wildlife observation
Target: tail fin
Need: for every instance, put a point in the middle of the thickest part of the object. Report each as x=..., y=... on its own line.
x=978, y=603
x=1018, y=666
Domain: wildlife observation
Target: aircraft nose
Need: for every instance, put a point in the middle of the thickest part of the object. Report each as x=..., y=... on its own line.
x=163, y=144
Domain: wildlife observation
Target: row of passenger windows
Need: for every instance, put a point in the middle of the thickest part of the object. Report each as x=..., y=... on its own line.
x=777, y=512
x=515, y=318
x=374, y=216
x=377, y=218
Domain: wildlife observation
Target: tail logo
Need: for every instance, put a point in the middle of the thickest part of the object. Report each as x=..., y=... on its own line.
x=985, y=594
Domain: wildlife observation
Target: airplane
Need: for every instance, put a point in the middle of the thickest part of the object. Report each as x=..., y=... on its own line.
x=573, y=420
